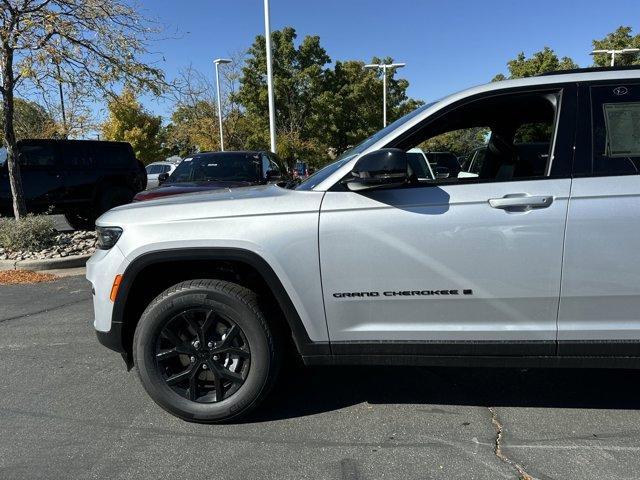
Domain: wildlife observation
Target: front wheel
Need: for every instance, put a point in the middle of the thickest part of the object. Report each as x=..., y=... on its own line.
x=204, y=352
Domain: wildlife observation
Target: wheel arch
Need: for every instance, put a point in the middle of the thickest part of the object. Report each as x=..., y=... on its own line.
x=164, y=268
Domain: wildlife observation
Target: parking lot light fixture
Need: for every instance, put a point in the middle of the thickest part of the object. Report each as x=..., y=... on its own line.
x=272, y=108
x=217, y=62
x=384, y=67
x=614, y=52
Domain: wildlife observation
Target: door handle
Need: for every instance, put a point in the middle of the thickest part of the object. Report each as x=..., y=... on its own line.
x=521, y=202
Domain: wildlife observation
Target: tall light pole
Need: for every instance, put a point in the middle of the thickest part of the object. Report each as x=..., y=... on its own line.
x=614, y=52
x=272, y=108
x=217, y=62
x=384, y=67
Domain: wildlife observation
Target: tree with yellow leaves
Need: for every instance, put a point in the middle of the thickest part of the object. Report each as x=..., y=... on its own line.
x=129, y=122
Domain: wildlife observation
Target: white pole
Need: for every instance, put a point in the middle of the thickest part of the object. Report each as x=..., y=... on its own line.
x=219, y=108
x=384, y=67
x=615, y=52
x=384, y=96
x=272, y=109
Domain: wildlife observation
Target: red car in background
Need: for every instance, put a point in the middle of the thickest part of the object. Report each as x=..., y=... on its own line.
x=216, y=170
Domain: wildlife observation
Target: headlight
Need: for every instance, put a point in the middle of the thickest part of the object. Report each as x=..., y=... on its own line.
x=107, y=237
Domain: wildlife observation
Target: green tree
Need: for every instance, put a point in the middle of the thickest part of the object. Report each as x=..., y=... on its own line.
x=31, y=121
x=319, y=110
x=544, y=61
x=300, y=78
x=94, y=44
x=129, y=122
x=352, y=103
x=621, y=38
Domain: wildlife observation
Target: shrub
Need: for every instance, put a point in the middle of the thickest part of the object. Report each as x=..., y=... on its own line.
x=32, y=233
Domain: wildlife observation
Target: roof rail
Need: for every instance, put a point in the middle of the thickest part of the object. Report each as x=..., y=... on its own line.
x=590, y=70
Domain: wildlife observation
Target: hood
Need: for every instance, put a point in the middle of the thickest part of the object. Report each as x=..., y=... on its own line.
x=167, y=189
x=256, y=200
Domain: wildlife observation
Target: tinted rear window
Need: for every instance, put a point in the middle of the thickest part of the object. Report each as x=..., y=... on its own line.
x=110, y=155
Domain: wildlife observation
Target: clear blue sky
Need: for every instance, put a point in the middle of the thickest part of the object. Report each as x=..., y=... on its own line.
x=447, y=44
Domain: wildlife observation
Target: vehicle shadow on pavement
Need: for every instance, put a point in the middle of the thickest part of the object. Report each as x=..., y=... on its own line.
x=315, y=390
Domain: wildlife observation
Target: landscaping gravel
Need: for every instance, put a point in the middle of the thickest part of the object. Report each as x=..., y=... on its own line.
x=65, y=245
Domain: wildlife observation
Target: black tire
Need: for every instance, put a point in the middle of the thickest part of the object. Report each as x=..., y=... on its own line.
x=81, y=220
x=113, y=196
x=174, y=312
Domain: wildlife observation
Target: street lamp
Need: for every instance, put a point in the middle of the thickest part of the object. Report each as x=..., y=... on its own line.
x=272, y=109
x=614, y=52
x=384, y=67
x=217, y=62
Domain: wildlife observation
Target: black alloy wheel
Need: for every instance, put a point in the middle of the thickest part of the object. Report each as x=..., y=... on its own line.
x=202, y=355
x=205, y=352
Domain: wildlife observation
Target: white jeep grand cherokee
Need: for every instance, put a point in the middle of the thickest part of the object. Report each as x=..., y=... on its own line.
x=382, y=258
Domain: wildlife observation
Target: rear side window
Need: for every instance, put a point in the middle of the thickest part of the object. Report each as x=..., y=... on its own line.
x=153, y=169
x=110, y=155
x=616, y=129
x=37, y=155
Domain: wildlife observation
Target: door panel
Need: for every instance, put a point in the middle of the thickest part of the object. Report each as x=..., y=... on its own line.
x=600, y=303
x=79, y=172
x=439, y=264
x=601, y=274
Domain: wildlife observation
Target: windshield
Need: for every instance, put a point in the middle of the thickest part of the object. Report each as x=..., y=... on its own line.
x=327, y=171
x=3, y=156
x=218, y=167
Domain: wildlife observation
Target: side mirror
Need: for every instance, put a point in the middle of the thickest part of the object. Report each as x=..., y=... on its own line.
x=442, y=172
x=387, y=167
x=163, y=177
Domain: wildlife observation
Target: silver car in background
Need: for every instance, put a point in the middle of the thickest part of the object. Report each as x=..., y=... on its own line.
x=155, y=169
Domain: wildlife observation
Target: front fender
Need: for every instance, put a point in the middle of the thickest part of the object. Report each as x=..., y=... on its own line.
x=287, y=298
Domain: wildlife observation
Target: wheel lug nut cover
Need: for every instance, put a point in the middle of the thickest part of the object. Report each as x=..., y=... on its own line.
x=193, y=359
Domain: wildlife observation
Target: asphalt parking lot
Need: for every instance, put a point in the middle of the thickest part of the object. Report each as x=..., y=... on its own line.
x=69, y=410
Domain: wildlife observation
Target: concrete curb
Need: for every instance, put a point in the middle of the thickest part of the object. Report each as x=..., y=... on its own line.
x=73, y=261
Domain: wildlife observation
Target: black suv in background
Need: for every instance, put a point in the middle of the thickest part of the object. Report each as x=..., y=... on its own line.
x=79, y=178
